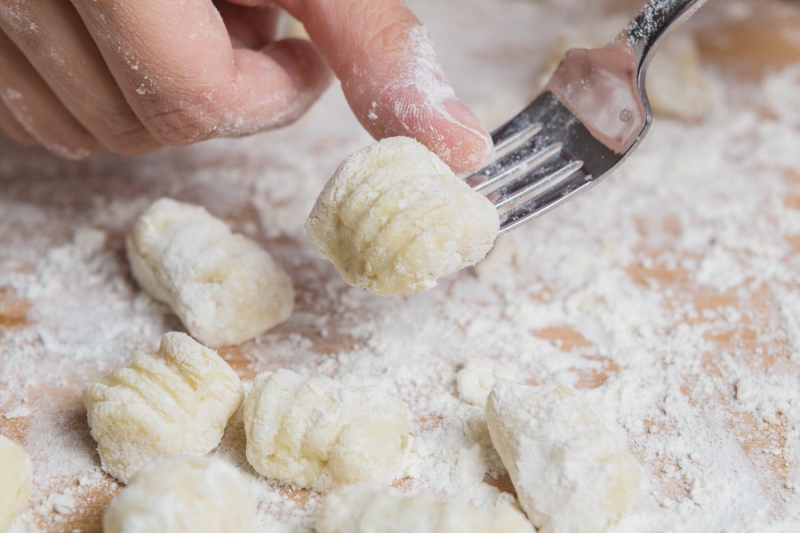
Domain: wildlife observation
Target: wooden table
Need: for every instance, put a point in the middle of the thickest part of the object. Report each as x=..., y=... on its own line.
x=69, y=310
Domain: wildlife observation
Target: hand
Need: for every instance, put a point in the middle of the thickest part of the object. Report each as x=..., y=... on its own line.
x=128, y=76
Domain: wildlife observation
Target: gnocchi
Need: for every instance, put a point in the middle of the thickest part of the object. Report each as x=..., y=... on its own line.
x=175, y=401
x=224, y=287
x=569, y=472
x=394, y=219
x=314, y=433
x=365, y=508
x=183, y=494
x=15, y=481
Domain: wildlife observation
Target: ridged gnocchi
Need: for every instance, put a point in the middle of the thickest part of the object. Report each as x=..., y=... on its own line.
x=183, y=494
x=569, y=472
x=314, y=433
x=15, y=481
x=394, y=219
x=366, y=508
x=175, y=401
x=224, y=287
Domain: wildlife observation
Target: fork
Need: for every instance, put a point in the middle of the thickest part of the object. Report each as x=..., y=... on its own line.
x=591, y=116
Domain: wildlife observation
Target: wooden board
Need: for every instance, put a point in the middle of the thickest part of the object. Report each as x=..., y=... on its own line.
x=46, y=201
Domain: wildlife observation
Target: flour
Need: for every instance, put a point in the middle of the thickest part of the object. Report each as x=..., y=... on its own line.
x=375, y=509
x=671, y=288
x=476, y=379
x=21, y=411
x=422, y=104
x=779, y=96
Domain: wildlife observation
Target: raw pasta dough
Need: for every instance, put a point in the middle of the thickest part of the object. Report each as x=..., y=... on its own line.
x=366, y=508
x=314, y=433
x=183, y=494
x=15, y=481
x=394, y=219
x=175, y=401
x=570, y=474
x=224, y=287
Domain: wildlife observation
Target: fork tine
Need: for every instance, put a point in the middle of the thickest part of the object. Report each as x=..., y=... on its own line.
x=579, y=181
x=505, y=137
x=532, y=117
x=547, y=174
x=593, y=113
x=537, y=148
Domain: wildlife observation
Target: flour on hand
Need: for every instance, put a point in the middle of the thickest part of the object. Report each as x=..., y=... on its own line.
x=15, y=481
x=175, y=401
x=394, y=219
x=224, y=287
x=314, y=433
x=183, y=494
x=569, y=472
x=366, y=508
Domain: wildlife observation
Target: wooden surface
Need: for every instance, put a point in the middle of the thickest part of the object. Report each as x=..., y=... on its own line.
x=67, y=191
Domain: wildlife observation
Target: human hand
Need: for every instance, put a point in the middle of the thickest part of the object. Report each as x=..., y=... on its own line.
x=127, y=76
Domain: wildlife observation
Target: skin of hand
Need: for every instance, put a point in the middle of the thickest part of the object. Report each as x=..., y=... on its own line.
x=82, y=77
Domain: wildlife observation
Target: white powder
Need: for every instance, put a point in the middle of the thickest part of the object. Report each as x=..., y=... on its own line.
x=21, y=411
x=419, y=98
x=673, y=286
x=780, y=98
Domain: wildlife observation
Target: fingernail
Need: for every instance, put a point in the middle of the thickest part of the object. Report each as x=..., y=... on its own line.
x=484, y=148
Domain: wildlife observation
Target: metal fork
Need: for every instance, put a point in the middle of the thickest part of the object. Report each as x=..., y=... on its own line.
x=592, y=115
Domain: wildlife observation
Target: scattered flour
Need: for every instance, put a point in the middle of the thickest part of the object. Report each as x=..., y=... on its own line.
x=669, y=292
x=21, y=411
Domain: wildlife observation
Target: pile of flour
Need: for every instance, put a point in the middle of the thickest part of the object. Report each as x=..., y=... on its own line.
x=668, y=294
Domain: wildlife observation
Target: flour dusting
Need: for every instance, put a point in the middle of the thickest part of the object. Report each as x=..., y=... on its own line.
x=668, y=296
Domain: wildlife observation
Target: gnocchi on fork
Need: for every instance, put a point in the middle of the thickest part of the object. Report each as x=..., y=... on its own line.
x=592, y=115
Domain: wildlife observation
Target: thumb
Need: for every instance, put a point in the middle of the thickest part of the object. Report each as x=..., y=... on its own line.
x=392, y=78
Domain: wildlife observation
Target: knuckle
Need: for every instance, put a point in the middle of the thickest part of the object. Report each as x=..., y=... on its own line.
x=393, y=28
x=131, y=142
x=18, y=24
x=186, y=121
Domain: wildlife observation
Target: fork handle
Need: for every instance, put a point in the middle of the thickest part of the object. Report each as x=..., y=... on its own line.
x=655, y=22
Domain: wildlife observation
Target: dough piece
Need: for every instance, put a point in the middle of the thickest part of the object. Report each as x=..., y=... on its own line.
x=394, y=219
x=569, y=472
x=224, y=287
x=15, y=481
x=366, y=508
x=314, y=433
x=475, y=380
x=183, y=494
x=175, y=401
x=676, y=85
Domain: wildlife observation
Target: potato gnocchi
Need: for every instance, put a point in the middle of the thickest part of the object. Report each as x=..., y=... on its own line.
x=175, y=401
x=183, y=494
x=314, y=433
x=366, y=508
x=15, y=481
x=224, y=287
x=569, y=472
x=394, y=219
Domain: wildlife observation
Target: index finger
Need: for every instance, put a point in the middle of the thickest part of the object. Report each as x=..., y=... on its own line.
x=392, y=77
x=175, y=64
